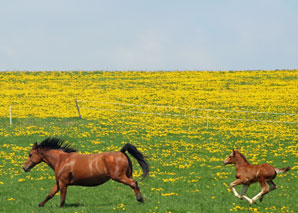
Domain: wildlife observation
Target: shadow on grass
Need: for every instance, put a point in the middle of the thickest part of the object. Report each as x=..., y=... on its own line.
x=70, y=205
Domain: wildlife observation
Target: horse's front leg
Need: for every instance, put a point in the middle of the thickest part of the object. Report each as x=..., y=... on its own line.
x=63, y=190
x=244, y=190
x=53, y=191
x=235, y=183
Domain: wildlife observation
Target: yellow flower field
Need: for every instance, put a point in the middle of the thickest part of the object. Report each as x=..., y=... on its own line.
x=52, y=94
x=186, y=122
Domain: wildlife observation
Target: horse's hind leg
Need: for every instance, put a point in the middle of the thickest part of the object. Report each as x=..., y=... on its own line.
x=264, y=191
x=53, y=191
x=272, y=187
x=133, y=184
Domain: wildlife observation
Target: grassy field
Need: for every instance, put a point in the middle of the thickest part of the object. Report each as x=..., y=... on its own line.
x=186, y=123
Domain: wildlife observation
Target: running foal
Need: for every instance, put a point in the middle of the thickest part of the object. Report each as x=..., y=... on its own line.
x=247, y=174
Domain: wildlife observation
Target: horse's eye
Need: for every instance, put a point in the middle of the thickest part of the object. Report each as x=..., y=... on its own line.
x=30, y=155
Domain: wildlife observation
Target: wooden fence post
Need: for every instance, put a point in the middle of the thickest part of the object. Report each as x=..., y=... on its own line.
x=78, y=108
x=207, y=122
x=10, y=116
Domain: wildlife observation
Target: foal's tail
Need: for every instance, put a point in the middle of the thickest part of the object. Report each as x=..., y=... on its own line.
x=283, y=170
x=138, y=156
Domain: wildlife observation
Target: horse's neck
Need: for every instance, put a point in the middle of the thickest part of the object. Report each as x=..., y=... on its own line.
x=52, y=157
x=240, y=161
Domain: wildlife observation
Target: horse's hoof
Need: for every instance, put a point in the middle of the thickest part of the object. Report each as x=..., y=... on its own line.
x=141, y=200
x=253, y=202
x=40, y=205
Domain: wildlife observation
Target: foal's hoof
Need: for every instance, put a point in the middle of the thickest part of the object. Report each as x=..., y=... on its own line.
x=253, y=202
x=40, y=205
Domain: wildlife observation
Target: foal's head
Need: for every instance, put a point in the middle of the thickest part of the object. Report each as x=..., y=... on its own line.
x=234, y=157
x=231, y=158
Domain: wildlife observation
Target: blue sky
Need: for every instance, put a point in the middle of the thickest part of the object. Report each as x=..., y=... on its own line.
x=148, y=35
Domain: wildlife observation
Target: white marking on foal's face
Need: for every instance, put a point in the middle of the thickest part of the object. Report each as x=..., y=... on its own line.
x=228, y=159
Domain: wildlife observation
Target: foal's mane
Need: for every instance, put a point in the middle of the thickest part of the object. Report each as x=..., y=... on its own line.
x=242, y=156
x=55, y=143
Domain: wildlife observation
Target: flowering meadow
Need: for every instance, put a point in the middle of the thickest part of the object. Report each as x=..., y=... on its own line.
x=186, y=123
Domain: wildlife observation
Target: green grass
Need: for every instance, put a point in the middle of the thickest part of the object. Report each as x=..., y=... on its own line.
x=187, y=165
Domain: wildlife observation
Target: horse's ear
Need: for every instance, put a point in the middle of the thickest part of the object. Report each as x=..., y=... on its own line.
x=34, y=145
x=233, y=151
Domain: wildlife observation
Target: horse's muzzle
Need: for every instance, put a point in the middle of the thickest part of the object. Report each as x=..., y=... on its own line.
x=26, y=169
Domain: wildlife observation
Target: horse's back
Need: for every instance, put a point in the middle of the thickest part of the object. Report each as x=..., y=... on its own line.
x=266, y=171
x=93, y=169
x=252, y=173
x=97, y=161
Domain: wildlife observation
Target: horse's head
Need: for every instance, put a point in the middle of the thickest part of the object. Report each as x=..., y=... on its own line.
x=33, y=159
x=230, y=159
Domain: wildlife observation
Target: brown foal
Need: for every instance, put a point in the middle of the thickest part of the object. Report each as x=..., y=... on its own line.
x=247, y=174
x=72, y=168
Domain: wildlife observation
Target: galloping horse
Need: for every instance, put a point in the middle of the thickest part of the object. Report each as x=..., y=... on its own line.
x=72, y=168
x=247, y=174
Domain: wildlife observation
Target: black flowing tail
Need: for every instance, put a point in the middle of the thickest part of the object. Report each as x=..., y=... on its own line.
x=138, y=156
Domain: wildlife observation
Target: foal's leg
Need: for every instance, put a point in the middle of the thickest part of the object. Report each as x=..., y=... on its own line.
x=272, y=185
x=271, y=188
x=244, y=190
x=264, y=191
x=133, y=184
x=53, y=191
x=235, y=183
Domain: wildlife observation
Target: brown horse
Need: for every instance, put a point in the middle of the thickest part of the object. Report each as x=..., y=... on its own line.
x=247, y=174
x=72, y=168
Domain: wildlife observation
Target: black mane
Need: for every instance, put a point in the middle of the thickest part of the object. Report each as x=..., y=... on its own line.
x=55, y=143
